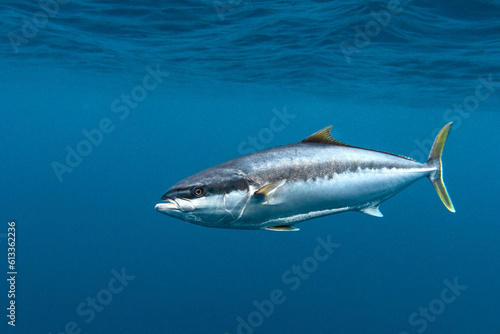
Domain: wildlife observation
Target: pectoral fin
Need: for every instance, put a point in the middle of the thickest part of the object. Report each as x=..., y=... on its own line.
x=372, y=211
x=286, y=228
x=268, y=192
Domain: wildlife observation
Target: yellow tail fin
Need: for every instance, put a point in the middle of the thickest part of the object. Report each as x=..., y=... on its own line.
x=434, y=160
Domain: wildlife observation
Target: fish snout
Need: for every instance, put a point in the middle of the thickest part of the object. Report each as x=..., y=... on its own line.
x=168, y=206
x=177, y=205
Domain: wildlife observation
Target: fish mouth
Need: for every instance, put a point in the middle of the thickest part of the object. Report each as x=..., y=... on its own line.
x=175, y=206
x=169, y=206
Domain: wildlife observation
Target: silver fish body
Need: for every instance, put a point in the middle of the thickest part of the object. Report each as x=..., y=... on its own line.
x=276, y=188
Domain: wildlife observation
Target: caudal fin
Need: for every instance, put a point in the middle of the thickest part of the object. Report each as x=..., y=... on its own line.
x=434, y=160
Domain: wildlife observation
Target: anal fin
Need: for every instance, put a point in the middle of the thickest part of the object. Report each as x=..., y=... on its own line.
x=287, y=228
x=372, y=210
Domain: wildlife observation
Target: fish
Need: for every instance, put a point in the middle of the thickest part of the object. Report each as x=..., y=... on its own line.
x=279, y=187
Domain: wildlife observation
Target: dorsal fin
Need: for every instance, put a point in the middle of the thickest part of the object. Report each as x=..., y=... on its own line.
x=324, y=136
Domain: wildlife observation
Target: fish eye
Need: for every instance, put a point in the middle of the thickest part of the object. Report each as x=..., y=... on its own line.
x=198, y=191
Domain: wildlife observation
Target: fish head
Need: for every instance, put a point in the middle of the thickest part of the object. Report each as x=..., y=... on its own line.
x=212, y=198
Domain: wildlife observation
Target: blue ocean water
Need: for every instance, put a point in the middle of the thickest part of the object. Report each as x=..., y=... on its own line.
x=106, y=104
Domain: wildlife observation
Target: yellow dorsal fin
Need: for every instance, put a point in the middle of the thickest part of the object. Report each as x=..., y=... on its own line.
x=323, y=136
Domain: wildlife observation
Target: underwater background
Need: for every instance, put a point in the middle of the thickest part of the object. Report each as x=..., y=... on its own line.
x=106, y=104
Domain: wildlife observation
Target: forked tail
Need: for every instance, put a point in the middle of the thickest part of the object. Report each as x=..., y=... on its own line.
x=434, y=160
